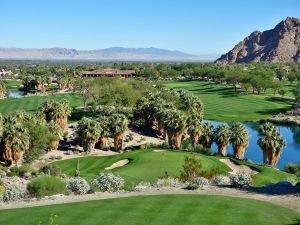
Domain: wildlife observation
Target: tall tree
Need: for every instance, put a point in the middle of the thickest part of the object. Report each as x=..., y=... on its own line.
x=208, y=135
x=118, y=125
x=239, y=140
x=222, y=137
x=271, y=142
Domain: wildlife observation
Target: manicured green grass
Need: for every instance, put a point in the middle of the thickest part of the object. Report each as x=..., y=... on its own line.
x=223, y=104
x=32, y=103
x=156, y=210
x=11, y=84
x=145, y=165
x=267, y=174
x=148, y=165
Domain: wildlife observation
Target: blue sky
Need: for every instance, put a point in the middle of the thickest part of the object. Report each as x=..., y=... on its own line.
x=193, y=26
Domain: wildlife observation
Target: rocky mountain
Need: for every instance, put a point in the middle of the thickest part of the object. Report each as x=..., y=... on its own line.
x=281, y=44
x=108, y=54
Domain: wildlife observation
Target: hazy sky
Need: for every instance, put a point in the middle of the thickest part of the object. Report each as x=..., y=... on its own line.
x=193, y=26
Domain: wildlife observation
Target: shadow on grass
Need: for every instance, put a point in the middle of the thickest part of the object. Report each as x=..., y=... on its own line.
x=297, y=222
x=78, y=114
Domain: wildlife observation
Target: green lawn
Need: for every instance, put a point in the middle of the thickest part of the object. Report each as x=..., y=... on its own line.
x=11, y=84
x=223, y=104
x=148, y=165
x=32, y=103
x=156, y=210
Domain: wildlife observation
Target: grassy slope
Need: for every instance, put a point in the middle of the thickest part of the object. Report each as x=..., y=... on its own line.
x=267, y=174
x=32, y=103
x=147, y=165
x=9, y=84
x=223, y=104
x=156, y=210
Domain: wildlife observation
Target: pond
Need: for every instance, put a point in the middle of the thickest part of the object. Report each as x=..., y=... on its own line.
x=15, y=93
x=291, y=153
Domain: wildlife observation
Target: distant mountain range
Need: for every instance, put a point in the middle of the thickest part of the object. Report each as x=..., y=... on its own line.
x=107, y=54
x=281, y=44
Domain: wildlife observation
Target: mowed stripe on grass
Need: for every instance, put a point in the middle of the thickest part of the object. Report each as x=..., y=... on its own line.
x=223, y=104
x=156, y=210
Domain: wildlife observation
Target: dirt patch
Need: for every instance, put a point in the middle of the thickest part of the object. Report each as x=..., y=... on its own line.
x=159, y=150
x=238, y=168
x=120, y=163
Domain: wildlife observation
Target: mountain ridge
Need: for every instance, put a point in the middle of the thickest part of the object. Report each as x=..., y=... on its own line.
x=280, y=44
x=106, y=54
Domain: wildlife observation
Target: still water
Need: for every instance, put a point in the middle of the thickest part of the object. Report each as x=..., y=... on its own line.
x=291, y=153
x=15, y=93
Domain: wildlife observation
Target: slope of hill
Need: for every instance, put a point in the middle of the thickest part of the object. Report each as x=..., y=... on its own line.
x=281, y=44
x=108, y=54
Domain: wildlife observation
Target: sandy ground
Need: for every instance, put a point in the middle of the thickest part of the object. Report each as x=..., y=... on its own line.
x=120, y=163
x=289, y=201
x=238, y=168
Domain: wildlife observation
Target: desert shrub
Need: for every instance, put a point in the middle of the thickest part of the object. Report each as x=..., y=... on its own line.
x=191, y=168
x=200, y=181
x=211, y=173
x=292, y=168
x=32, y=154
x=108, y=182
x=12, y=194
x=46, y=186
x=168, y=182
x=240, y=180
x=54, y=170
x=20, y=171
x=205, y=151
x=220, y=180
x=78, y=186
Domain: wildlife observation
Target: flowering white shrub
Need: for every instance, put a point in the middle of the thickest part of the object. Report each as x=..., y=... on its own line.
x=200, y=181
x=168, y=182
x=240, y=179
x=12, y=194
x=142, y=185
x=78, y=186
x=220, y=180
x=108, y=182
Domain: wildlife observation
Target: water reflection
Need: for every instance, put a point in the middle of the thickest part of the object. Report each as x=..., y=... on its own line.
x=290, y=154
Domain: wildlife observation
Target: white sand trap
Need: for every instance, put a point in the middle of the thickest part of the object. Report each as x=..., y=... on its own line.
x=120, y=163
x=238, y=168
x=159, y=150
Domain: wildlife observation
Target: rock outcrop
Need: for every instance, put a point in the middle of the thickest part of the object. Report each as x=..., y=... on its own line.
x=281, y=44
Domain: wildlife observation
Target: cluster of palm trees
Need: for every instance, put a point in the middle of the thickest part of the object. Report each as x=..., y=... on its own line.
x=65, y=81
x=90, y=131
x=18, y=130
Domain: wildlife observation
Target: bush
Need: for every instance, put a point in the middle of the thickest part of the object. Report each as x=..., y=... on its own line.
x=78, y=186
x=168, y=182
x=20, y=171
x=205, y=151
x=54, y=170
x=200, y=181
x=220, y=180
x=108, y=182
x=46, y=186
x=12, y=194
x=240, y=180
x=292, y=168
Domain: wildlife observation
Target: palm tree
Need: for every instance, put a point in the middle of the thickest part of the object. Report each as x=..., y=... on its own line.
x=195, y=129
x=88, y=131
x=239, y=140
x=15, y=141
x=104, y=131
x=208, y=135
x=56, y=133
x=57, y=111
x=271, y=142
x=118, y=125
x=2, y=90
x=222, y=137
x=176, y=125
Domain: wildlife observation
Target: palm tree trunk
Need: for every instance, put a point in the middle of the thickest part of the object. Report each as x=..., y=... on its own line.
x=177, y=140
x=222, y=150
x=118, y=141
x=103, y=143
x=195, y=140
x=53, y=145
x=275, y=158
x=16, y=156
x=241, y=152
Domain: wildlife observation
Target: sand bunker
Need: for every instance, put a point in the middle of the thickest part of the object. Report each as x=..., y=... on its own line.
x=120, y=163
x=238, y=168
